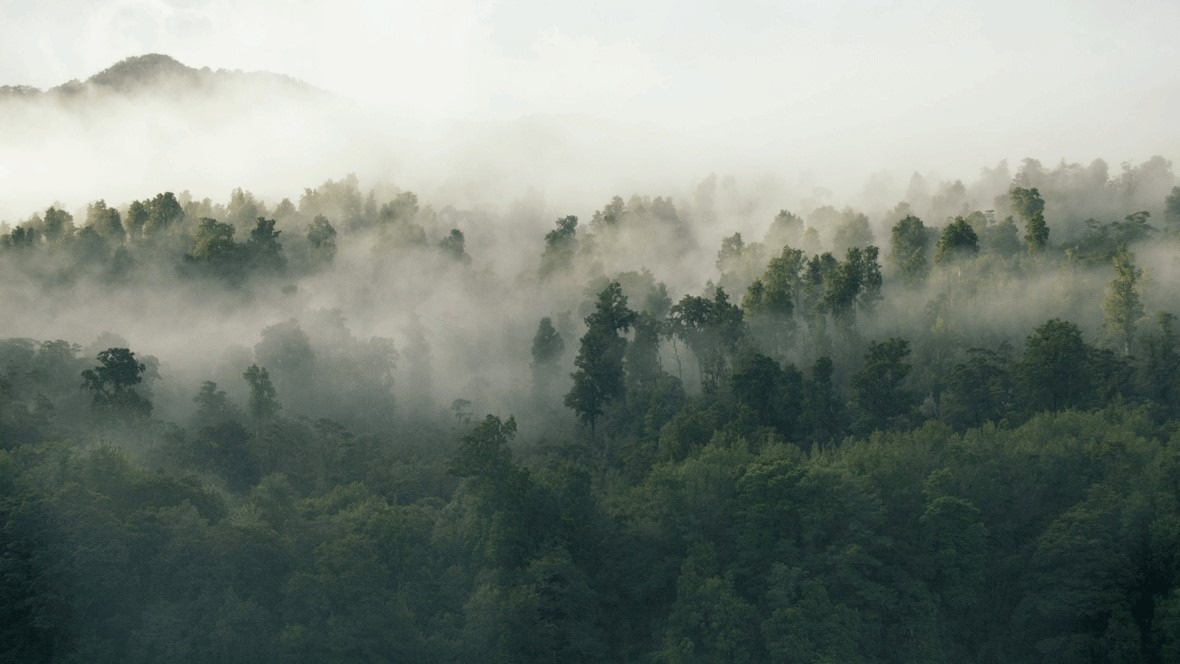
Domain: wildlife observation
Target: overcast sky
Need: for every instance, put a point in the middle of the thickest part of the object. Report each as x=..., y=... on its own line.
x=920, y=84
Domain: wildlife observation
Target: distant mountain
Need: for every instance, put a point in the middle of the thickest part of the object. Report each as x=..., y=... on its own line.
x=155, y=73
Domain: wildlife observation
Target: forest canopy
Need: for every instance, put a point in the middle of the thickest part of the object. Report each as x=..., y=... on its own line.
x=358, y=425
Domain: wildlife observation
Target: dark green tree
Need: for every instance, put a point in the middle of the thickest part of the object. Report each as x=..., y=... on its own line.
x=824, y=417
x=978, y=390
x=909, y=242
x=162, y=211
x=263, y=404
x=599, y=378
x=57, y=226
x=1028, y=204
x=712, y=328
x=560, y=245
x=262, y=247
x=214, y=246
x=879, y=389
x=1159, y=367
x=1054, y=372
x=137, y=219
x=113, y=383
x=958, y=240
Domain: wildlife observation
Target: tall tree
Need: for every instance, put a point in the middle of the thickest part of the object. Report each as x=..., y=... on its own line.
x=599, y=377
x=560, y=245
x=322, y=237
x=1028, y=204
x=548, y=347
x=879, y=388
x=1122, y=309
x=908, y=251
x=712, y=328
x=1172, y=212
x=263, y=248
x=263, y=403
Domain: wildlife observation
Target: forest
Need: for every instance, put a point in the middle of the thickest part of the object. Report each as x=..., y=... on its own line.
x=358, y=426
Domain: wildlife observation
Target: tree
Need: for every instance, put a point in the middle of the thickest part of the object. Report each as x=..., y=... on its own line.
x=855, y=283
x=105, y=221
x=712, y=328
x=263, y=404
x=1054, y=371
x=769, y=303
x=786, y=229
x=824, y=417
x=878, y=389
x=909, y=240
x=213, y=244
x=560, y=244
x=162, y=211
x=709, y=621
x=599, y=378
x=548, y=347
x=455, y=246
x=978, y=390
x=1172, y=210
x=1122, y=309
x=322, y=237
x=57, y=226
x=1160, y=367
x=1027, y=203
x=137, y=218
x=769, y=393
x=212, y=405
x=958, y=240
x=113, y=383
x=263, y=248
x=484, y=452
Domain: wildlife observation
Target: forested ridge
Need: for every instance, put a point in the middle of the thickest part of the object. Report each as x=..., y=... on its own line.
x=358, y=427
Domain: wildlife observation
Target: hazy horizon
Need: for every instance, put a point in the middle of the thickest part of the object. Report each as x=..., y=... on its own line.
x=604, y=97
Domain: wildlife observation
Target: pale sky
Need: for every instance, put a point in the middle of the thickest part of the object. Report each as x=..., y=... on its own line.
x=920, y=84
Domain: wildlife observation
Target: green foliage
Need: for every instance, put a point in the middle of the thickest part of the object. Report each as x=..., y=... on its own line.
x=113, y=383
x=213, y=243
x=879, y=390
x=599, y=374
x=322, y=237
x=1172, y=210
x=560, y=245
x=548, y=345
x=958, y=240
x=1028, y=510
x=1122, y=309
x=263, y=403
x=712, y=328
x=262, y=248
x=978, y=390
x=1028, y=204
x=1054, y=372
x=909, y=241
x=105, y=221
